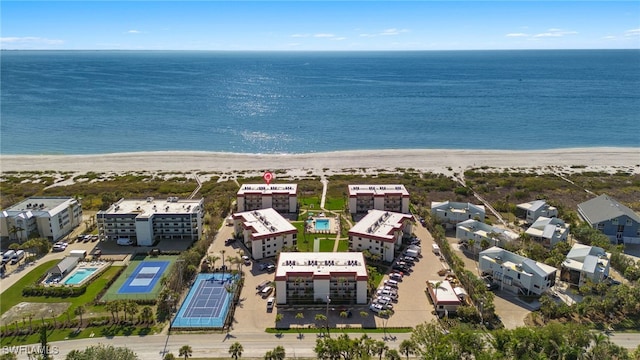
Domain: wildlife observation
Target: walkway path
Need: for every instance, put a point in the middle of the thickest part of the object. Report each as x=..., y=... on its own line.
x=197, y=188
x=325, y=184
x=486, y=204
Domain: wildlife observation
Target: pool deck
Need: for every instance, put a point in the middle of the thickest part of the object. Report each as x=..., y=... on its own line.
x=333, y=225
x=100, y=265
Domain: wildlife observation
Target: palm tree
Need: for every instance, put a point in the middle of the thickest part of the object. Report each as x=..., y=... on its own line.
x=379, y=347
x=278, y=319
x=299, y=316
x=407, y=347
x=278, y=353
x=79, y=311
x=235, y=350
x=169, y=356
x=16, y=231
x=213, y=259
x=146, y=315
x=185, y=351
x=131, y=308
x=392, y=354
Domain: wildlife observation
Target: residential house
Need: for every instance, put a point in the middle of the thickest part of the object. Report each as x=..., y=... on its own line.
x=451, y=213
x=618, y=222
x=380, y=232
x=585, y=262
x=516, y=273
x=482, y=233
x=445, y=298
x=532, y=210
x=319, y=277
x=548, y=231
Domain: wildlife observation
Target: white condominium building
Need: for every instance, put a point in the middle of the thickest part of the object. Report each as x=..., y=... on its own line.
x=264, y=232
x=145, y=221
x=280, y=197
x=363, y=198
x=380, y=232
x=318, y=277
x=548, y=231
x=451, y=213
x=516, y=273
x=46, y=217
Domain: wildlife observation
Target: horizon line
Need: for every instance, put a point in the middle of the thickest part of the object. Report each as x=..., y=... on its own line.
x=319, y=50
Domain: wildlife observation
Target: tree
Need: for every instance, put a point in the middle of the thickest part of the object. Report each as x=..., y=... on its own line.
x=235, y=350
x=43, y=343
x=322, y=318
x=9, y=356
x=379, y=347
x=278, y=353
x=146, y=315
x=169, y=356
x=131, y=308
x=279, y=318
x=100, y=352
x=79, y=311
x=392, y=354
x=185, y=351
x=407, y=347
x=299, y=316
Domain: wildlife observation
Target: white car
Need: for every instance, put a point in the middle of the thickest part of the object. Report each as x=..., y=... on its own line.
x=391, y=283
x=270, y=303
x=384, y=300
x=389, y=289
x=377, y=308
x=246, y=259
x=395, y=276
x=388, y=293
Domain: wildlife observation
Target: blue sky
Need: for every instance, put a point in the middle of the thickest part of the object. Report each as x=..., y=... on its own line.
x=319, y=25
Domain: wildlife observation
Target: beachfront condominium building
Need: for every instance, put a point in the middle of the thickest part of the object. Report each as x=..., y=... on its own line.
x=585, y=262
x=321, y=278
x=380, y=233
x=451, y=213
x=532, y=210
x=516, y=273
x=548, y=231
x=618, y=222
x=280, y=197
x=264, y=232
x=47, y=217
x=363, y=198
x=145, y=221
x=483, y=235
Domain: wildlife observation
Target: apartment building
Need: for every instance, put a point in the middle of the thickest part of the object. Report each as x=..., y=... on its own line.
x=48, y=217
x=532, y=210
x=548, y=231
x=321, y=278
x=280, y=197
x=363, y=198
x=380, y=232
x=145, y=221
x=264, y=232
x=451, y=213
x=482, y=233
x=585, y=262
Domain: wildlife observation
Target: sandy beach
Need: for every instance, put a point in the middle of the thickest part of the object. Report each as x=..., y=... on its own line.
x=433, y=160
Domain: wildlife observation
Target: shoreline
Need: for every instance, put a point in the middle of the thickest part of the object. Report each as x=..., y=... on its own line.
x=434, y=160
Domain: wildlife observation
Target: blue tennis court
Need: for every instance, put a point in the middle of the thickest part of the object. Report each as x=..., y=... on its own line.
x=207, y=303
x=144, y=277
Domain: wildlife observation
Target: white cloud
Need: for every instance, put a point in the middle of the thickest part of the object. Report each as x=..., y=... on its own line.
x=555, y=33
x=30, y=40
x=393, y=31
x=339, y=38
x=632, y=32
x=321, y=35
x=517, y=35
x=300, y=35
x=609, y=37
x=133, y=31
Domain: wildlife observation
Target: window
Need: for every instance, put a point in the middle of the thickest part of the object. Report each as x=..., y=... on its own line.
x=614, y=221
x=629, y=222
x=601, y=226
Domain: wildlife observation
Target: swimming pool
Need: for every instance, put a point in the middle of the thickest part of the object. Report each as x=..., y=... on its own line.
x=322, y=224
x=79, y=275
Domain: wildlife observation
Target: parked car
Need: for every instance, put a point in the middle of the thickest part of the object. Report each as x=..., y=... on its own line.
x=388, y=288
x=396, y=276
x=378, y=308
x=266, y=291
x=388, y=293
x=401, y=268
x=229, y=241
x=384, y=300
x=262, y=285
x=391, y=283
x=59, y=246
x=489, y=283
x=270, y=303
x=246, y=259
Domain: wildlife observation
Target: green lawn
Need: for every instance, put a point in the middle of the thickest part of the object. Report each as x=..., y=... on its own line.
x=336, y=204
x=306, y=203
x=326, y=245
x=13, y=295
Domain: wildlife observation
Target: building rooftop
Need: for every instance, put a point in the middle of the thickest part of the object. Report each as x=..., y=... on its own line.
x=534, y=205
x=456, y=206
x=41, y=205
x=321, y=263
x=545, y=227
x=379, y=224
x=516, y=262
x=445, y=294
x=150, y=206
x=586, y=258
x=484, y=230
x=377, y=190
x=265, y=223
x=291, y=189
x=603, y=208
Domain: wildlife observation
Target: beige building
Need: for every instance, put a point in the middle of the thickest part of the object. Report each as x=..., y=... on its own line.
x=318, y=277
x=445, y=298
x=145, y=221
x=264, y=232
x=280, y=197
x=46, y=217
x=380, y=232
x=363, y=198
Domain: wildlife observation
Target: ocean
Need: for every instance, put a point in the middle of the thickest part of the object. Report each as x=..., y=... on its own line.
x=95, y=102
